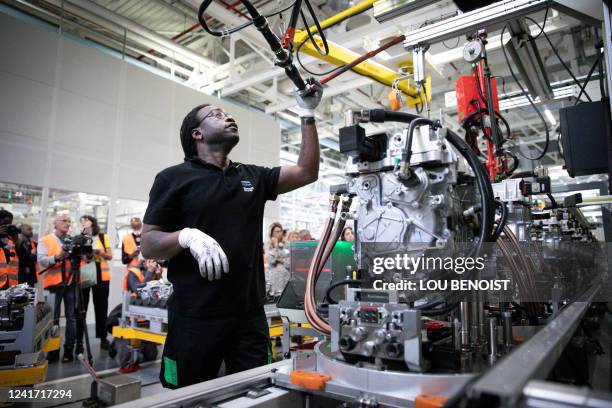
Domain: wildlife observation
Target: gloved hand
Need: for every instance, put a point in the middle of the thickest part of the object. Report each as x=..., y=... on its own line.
x=206, y=251
x=308, y=98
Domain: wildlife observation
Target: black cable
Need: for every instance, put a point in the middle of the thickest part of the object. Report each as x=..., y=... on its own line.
x=502, y=220
x=297, y=52
x=299, y=61
x=526, y=94
x=558, y=56
x=587, y=79
x=515, y=163
x=334, y=285
x=553, y=202
x=543, y=23
x=232, y=30
x=319, y=30
x=407, y=151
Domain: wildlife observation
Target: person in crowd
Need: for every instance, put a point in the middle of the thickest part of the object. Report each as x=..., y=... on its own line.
x=130, y=253
x=26, y=251
x=277, y=258
x=9, y=260
x=305, y=235
x=347, y=235
x=292, y=236
x=100, y=291
x=55, y=272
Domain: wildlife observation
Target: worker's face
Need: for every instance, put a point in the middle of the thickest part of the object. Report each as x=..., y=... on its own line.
x=26, y=230
x=217, y=128
x=62, y=224
x=136, y=224
x=348, y=235
x=85, y=223
x=277, y=233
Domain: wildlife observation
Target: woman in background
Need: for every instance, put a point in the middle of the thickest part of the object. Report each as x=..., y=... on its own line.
x=102, y=256
x=347, y=235
x=277, y=259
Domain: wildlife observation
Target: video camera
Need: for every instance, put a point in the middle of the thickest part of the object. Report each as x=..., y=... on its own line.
x=12, y=229
x=78, y=246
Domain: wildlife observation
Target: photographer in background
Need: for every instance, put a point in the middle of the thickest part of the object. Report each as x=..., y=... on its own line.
x=26, y=251
x=102, y=254
x=130, y=253
x=58, y=280
x=9, y=262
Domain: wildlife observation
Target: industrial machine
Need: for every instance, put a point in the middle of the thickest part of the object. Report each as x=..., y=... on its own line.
x=392, y=338
x=464, y=291
x=26, y=334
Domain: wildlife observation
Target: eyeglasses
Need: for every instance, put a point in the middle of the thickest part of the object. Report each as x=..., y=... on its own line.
x=217, y=114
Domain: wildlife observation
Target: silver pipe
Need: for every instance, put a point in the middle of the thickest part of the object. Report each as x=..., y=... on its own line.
x=465, y=325
x=474, y=319
x=507, y=320
x=492, y=339
x=457, y=334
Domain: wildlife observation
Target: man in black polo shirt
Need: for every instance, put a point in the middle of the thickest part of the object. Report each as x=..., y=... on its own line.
x=205, y=215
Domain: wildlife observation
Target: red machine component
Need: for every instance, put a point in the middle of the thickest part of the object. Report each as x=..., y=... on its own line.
x=469, y=100
x=467, y=96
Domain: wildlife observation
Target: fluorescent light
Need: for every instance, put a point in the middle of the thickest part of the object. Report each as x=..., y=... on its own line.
x=550, y=116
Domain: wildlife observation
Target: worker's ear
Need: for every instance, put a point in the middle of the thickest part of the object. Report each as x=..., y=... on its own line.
x=197, y=134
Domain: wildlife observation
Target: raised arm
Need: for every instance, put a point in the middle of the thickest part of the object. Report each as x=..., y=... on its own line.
x=307, y=169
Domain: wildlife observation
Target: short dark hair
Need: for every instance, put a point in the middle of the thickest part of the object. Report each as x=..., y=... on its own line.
x=95, y=228
x=5, y=214
x=190, y=122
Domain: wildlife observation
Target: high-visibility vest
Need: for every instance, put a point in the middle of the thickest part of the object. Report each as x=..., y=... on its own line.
x=9, y=267
x=136, y=271
x=129, y=246
x=103, y=262
x=53, y=275
x=34, y=252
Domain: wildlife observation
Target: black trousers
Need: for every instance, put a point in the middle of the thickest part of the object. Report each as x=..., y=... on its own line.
x=195, y=347
x=100, y=300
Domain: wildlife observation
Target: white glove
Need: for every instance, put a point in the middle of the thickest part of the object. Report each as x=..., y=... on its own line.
x=308, y=98
x=206, y=251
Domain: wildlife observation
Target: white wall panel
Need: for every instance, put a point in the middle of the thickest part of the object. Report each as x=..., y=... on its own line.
x=29, y=52
x=25, y=109
x=85, y=127
x=148, y=93
x=88, y=72
x=22, y=164
x=136, y=182
x=80, y=174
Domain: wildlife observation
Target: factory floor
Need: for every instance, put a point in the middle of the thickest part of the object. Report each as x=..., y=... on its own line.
x=74, y=376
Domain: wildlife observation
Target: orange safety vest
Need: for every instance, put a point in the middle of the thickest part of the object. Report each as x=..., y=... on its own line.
x=136, y=271
x=103, y=262
x=53, y=275
x=9, y=268
x=34, y=251
x=129, y=246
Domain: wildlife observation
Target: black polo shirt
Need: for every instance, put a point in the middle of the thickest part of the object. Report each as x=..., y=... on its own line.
x=228, y=205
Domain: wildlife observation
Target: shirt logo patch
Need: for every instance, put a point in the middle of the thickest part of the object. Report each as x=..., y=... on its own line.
x=247, y=186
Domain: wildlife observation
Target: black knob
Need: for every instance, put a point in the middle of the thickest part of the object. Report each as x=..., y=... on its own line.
x=346, y=343
x=394, y=350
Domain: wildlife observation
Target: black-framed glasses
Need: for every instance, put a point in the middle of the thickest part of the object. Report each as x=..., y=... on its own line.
x=217, y=114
